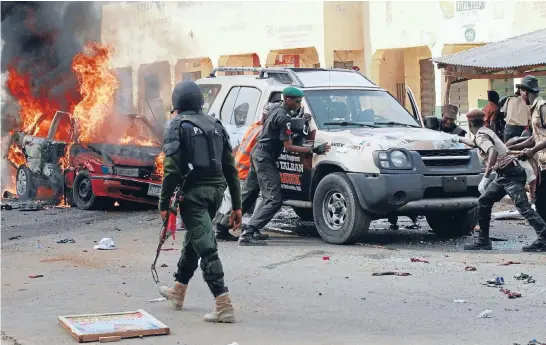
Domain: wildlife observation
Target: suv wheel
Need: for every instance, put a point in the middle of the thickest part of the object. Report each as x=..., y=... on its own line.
x=24, y=184
x=337, y=212
x=453, y=224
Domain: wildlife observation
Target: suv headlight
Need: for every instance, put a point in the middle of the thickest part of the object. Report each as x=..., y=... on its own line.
x=394, y=159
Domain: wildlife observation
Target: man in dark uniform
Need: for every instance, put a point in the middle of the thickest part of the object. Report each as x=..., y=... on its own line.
x=511, y=179
x=275, y=135
x=447, y=125
x=192, y=137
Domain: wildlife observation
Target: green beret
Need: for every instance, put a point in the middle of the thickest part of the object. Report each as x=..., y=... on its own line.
x=292, y=92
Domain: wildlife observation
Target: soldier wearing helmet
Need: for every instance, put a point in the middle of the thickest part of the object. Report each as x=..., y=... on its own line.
x=192, y=137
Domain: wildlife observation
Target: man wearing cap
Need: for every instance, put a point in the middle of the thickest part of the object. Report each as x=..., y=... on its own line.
x=511, y=179
x=275, y=135
x=517, y=115
x=535, y=146
x=449, y=115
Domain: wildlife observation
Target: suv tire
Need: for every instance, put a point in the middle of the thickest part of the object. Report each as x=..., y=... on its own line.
x=453, y=224
x=24, y=184
x=338, y=216
x=305, y=214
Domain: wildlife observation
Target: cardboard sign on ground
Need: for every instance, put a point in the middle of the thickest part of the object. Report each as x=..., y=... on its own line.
x=91, y=327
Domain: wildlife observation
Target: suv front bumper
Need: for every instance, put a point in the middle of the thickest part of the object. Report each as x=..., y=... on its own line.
x=414, y=193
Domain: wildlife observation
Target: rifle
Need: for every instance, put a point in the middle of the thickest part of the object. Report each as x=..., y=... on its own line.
x=169, y=224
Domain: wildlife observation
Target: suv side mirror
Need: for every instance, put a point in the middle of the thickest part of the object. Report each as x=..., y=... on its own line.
x=432, y=122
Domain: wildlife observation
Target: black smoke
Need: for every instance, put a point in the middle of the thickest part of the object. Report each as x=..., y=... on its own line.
x=40, y=40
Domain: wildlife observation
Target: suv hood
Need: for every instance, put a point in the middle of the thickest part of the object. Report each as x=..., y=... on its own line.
x=389, y=137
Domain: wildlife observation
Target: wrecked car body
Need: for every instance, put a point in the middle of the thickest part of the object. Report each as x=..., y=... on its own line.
x=90, y=175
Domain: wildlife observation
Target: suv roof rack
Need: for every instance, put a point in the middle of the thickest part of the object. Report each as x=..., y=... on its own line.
x=285, y=75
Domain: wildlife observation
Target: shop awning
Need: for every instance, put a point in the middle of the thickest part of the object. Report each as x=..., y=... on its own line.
x=514, y=57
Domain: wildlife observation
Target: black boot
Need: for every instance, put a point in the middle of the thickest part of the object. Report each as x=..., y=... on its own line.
x=222, y=234
x=248, y=239
x=483, y=243
x=539, y=245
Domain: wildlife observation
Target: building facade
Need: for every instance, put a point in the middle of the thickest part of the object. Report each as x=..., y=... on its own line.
x=160, y=43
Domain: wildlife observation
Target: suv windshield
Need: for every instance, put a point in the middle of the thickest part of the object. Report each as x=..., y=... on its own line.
x=357, y=108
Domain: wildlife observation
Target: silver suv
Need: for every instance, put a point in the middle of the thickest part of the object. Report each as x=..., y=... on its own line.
x=383, y=160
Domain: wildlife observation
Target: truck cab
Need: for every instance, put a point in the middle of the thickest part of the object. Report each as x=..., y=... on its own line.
x=383, y=160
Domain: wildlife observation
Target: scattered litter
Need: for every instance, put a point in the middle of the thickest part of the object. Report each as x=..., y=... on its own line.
x=105, y=244
x=413, y=226
x=234, y=343
x=85, y=250
x=419, y=260
x=6, y=207
x=36, y=276
x=14, y=237
x=507, y=215
x=377, y=246
x=402, y=274
x=8, y=195
x=164, y=265
x=160, y=299
x=527, y=279
x=496, y=281
x=508, y=263
x=325, y=258
x=470, y=268
x=459, y=301
x=39, y=246
x=66, y=240
x=486, y=314
x=167, y=249
x=510, y=294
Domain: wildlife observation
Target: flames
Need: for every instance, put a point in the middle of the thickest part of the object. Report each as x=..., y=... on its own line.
x=16, y=156
x=98, y=83
x=159, y=165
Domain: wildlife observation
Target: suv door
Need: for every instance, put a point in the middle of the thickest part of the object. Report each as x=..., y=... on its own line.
x=60, y=133
x=239, y=111
x=416, y=113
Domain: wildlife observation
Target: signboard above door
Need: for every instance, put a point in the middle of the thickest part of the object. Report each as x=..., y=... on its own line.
x=462, y=6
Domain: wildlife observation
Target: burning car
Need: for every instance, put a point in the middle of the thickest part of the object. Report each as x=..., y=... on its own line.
x=94, y=173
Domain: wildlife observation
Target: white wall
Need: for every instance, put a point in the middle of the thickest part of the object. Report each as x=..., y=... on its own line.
x=146, y=32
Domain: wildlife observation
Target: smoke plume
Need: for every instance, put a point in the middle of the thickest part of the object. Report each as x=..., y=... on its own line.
x=40, y=40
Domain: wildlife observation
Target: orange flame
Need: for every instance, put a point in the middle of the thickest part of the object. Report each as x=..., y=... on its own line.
x=129, y=140
x=159, y=165
x=98, y=83
x=16, y=156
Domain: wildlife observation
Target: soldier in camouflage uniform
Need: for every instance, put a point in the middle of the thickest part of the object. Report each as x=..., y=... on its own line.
x=511, y=179
x=192, y=137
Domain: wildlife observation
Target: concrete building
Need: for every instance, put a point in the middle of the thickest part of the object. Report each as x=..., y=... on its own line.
x=158, y=43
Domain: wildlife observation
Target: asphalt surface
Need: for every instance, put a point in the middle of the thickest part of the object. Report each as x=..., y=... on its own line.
x=284, y=293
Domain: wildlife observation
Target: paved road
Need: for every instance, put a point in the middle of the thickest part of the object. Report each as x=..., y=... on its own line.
x=284, y=293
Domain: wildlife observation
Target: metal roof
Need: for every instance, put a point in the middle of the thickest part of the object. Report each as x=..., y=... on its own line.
x=525, y=50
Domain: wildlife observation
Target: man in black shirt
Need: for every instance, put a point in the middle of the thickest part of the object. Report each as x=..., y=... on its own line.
x=276, y=134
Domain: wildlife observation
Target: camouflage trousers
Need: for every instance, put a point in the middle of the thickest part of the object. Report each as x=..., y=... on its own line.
x=510, y=181
x=198, y=208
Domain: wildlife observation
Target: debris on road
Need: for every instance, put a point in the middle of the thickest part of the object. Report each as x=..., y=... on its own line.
x=14, y=237
x=419, y=260
x=508, y=263
x=459, y=301
x=486, y=314
x=167, y=249
x=160, y=299
x=510, y=294
x=31, y=207
x=507, y=215
x=105, y=244
x=6, y=207
x=470, y=268
x=36, y=276
x=527, y=279
x=164, y=265
x=325, y=258
x=66, y=240
x=389, y=273
x=496, y=281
